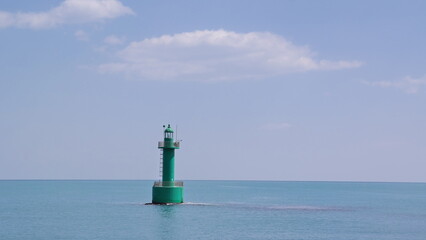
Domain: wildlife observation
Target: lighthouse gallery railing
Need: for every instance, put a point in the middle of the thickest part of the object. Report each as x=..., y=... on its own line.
x=162, y=144
x=168, y=184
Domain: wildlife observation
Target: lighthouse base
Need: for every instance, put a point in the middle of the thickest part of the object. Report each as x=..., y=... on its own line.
x=167, y=194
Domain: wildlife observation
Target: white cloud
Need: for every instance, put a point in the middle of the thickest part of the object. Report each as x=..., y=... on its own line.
x=68, y=12
x=217, y=55
x=82, y=35
x=276, y=126
x=114, y=40
x=408, y=84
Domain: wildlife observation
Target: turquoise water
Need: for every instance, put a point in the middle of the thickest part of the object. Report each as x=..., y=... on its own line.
x=214, y=210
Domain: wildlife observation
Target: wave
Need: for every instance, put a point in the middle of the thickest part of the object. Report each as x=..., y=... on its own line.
x=242, y=205
x=269, y=207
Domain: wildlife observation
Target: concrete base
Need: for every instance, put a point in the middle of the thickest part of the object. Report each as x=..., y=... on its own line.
x=167, y=194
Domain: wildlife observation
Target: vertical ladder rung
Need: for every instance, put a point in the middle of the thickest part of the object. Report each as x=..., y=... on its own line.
x=161, y=165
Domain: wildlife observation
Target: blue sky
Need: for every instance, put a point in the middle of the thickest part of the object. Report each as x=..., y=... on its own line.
x=260, y=90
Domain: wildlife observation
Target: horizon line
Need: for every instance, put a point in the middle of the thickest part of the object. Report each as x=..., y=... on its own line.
x=242, y=180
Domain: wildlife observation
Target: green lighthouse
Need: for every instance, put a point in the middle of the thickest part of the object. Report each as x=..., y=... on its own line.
x=167, y=190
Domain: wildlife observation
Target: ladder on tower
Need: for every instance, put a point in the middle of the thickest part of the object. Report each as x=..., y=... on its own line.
x=161, y=166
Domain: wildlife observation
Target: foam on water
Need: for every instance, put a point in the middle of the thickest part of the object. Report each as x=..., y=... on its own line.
x=267, y=207
x=243, y=205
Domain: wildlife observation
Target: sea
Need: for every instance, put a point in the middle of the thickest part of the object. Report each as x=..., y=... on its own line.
x=69, y=209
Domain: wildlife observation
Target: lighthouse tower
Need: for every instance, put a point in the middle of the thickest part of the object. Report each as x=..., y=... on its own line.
x=167, y=190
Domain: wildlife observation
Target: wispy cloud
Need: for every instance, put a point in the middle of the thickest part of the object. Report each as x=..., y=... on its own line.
x=81, y=35
x=68, y=12
x=114, y=40
x=408, y=84
x=217, y=55
x=276, y=126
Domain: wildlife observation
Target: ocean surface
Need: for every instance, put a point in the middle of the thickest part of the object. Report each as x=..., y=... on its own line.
x=53, y=210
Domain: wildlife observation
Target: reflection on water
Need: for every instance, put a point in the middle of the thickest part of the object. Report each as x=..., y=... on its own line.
x=167, y=221
x=166, y=211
